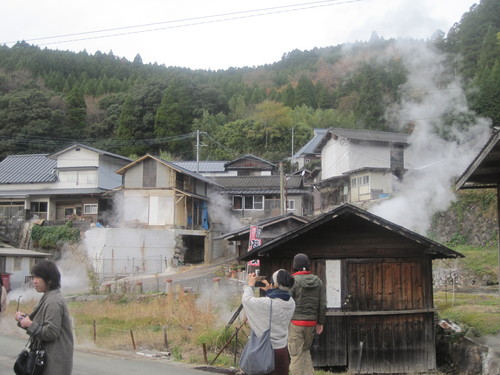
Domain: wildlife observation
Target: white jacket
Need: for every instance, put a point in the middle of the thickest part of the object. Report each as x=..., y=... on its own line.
x=257, y=312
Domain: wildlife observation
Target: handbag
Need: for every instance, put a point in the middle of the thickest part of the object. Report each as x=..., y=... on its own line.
x=257, y=357
x=32, y=359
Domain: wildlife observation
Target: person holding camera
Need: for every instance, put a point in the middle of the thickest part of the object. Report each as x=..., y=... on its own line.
x=258, y=309
x=50, y=319
x=309, y=316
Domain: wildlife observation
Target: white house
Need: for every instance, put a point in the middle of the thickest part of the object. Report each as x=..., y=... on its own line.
x=360, y=165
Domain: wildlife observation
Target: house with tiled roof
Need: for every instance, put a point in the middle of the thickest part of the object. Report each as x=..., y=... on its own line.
x=68, y=184
x=261, y=197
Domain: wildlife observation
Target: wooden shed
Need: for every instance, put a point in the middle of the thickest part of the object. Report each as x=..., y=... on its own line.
x=378, y=278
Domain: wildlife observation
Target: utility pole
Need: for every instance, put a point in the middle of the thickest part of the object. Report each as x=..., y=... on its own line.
x=197, y=151
x=282, y=189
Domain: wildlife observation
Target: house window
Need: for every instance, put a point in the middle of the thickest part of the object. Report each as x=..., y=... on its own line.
x=366, y=180
x=68, y=176
x=90, y=209
x=18, y=263
x=87, y=177
x=353, y=182
x=39, y=209
x=250, y=202
x=290, y=204
x=237, y=202
x=10, y=209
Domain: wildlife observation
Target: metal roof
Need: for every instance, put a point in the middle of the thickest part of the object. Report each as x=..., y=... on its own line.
x=484, y=171
x=202, y=166
x=12, y=251
x=25, y=169
x=310, y=147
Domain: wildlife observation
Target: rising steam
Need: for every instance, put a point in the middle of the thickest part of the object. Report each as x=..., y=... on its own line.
x=446, y=137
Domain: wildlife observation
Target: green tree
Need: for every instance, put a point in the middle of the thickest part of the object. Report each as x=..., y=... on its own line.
x=174, y=116
x=305, y=92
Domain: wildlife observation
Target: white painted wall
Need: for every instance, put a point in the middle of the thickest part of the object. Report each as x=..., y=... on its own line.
x=116, y=250
x=335, y=158
x=81, y=158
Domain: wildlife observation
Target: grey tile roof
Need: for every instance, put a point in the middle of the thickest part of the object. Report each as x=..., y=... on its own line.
x=25, y=169
x=370, y=135
x=257, y=182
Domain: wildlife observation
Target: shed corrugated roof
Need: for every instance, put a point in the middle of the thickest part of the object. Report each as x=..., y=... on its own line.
x=23, y=169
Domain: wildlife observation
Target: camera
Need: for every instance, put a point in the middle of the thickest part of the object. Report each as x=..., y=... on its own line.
x=259, y=283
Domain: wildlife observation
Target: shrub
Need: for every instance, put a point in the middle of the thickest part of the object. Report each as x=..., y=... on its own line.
x=51, y=237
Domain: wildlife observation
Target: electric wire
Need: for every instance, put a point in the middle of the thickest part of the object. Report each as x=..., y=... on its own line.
x=193, y=21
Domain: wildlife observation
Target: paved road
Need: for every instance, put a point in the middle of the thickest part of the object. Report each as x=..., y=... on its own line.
x=89, y=363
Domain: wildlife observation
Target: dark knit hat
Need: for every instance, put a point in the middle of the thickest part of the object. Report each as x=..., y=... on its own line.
x=301, y=262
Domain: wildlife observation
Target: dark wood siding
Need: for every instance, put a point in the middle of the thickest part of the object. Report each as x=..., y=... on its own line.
x=390, y=316
x=391, y=343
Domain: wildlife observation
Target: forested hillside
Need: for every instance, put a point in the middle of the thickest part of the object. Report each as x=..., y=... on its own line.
x=49, y=99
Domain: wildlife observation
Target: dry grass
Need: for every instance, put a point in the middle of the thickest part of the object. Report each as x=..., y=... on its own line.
x=175, y=323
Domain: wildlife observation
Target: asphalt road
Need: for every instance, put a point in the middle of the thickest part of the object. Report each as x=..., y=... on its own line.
x=91, y=363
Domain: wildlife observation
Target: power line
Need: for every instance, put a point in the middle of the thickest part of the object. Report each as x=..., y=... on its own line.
x=193, y=21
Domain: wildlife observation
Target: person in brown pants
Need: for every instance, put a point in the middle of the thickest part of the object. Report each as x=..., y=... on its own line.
x=309, y=316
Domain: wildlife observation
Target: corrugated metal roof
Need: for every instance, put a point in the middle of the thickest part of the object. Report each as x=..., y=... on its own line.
x=11, y=251
x=23, y=169
x=310, y=147
x=202, y=166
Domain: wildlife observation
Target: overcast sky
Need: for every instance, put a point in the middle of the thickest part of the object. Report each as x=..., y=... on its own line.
x=218, y=34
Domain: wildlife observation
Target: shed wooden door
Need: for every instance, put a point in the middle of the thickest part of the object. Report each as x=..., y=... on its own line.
x=390, y=320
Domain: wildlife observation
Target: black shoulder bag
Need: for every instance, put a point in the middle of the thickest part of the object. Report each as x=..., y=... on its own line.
x=32, y=359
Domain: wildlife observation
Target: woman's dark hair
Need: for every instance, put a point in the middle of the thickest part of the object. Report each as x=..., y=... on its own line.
x=1, y=280
x=48, y=271
x=284, y=279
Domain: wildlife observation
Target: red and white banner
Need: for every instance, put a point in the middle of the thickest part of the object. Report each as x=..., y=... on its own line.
x=253, y=242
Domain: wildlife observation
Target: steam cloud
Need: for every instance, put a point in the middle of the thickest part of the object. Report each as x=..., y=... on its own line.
x=431, y=93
